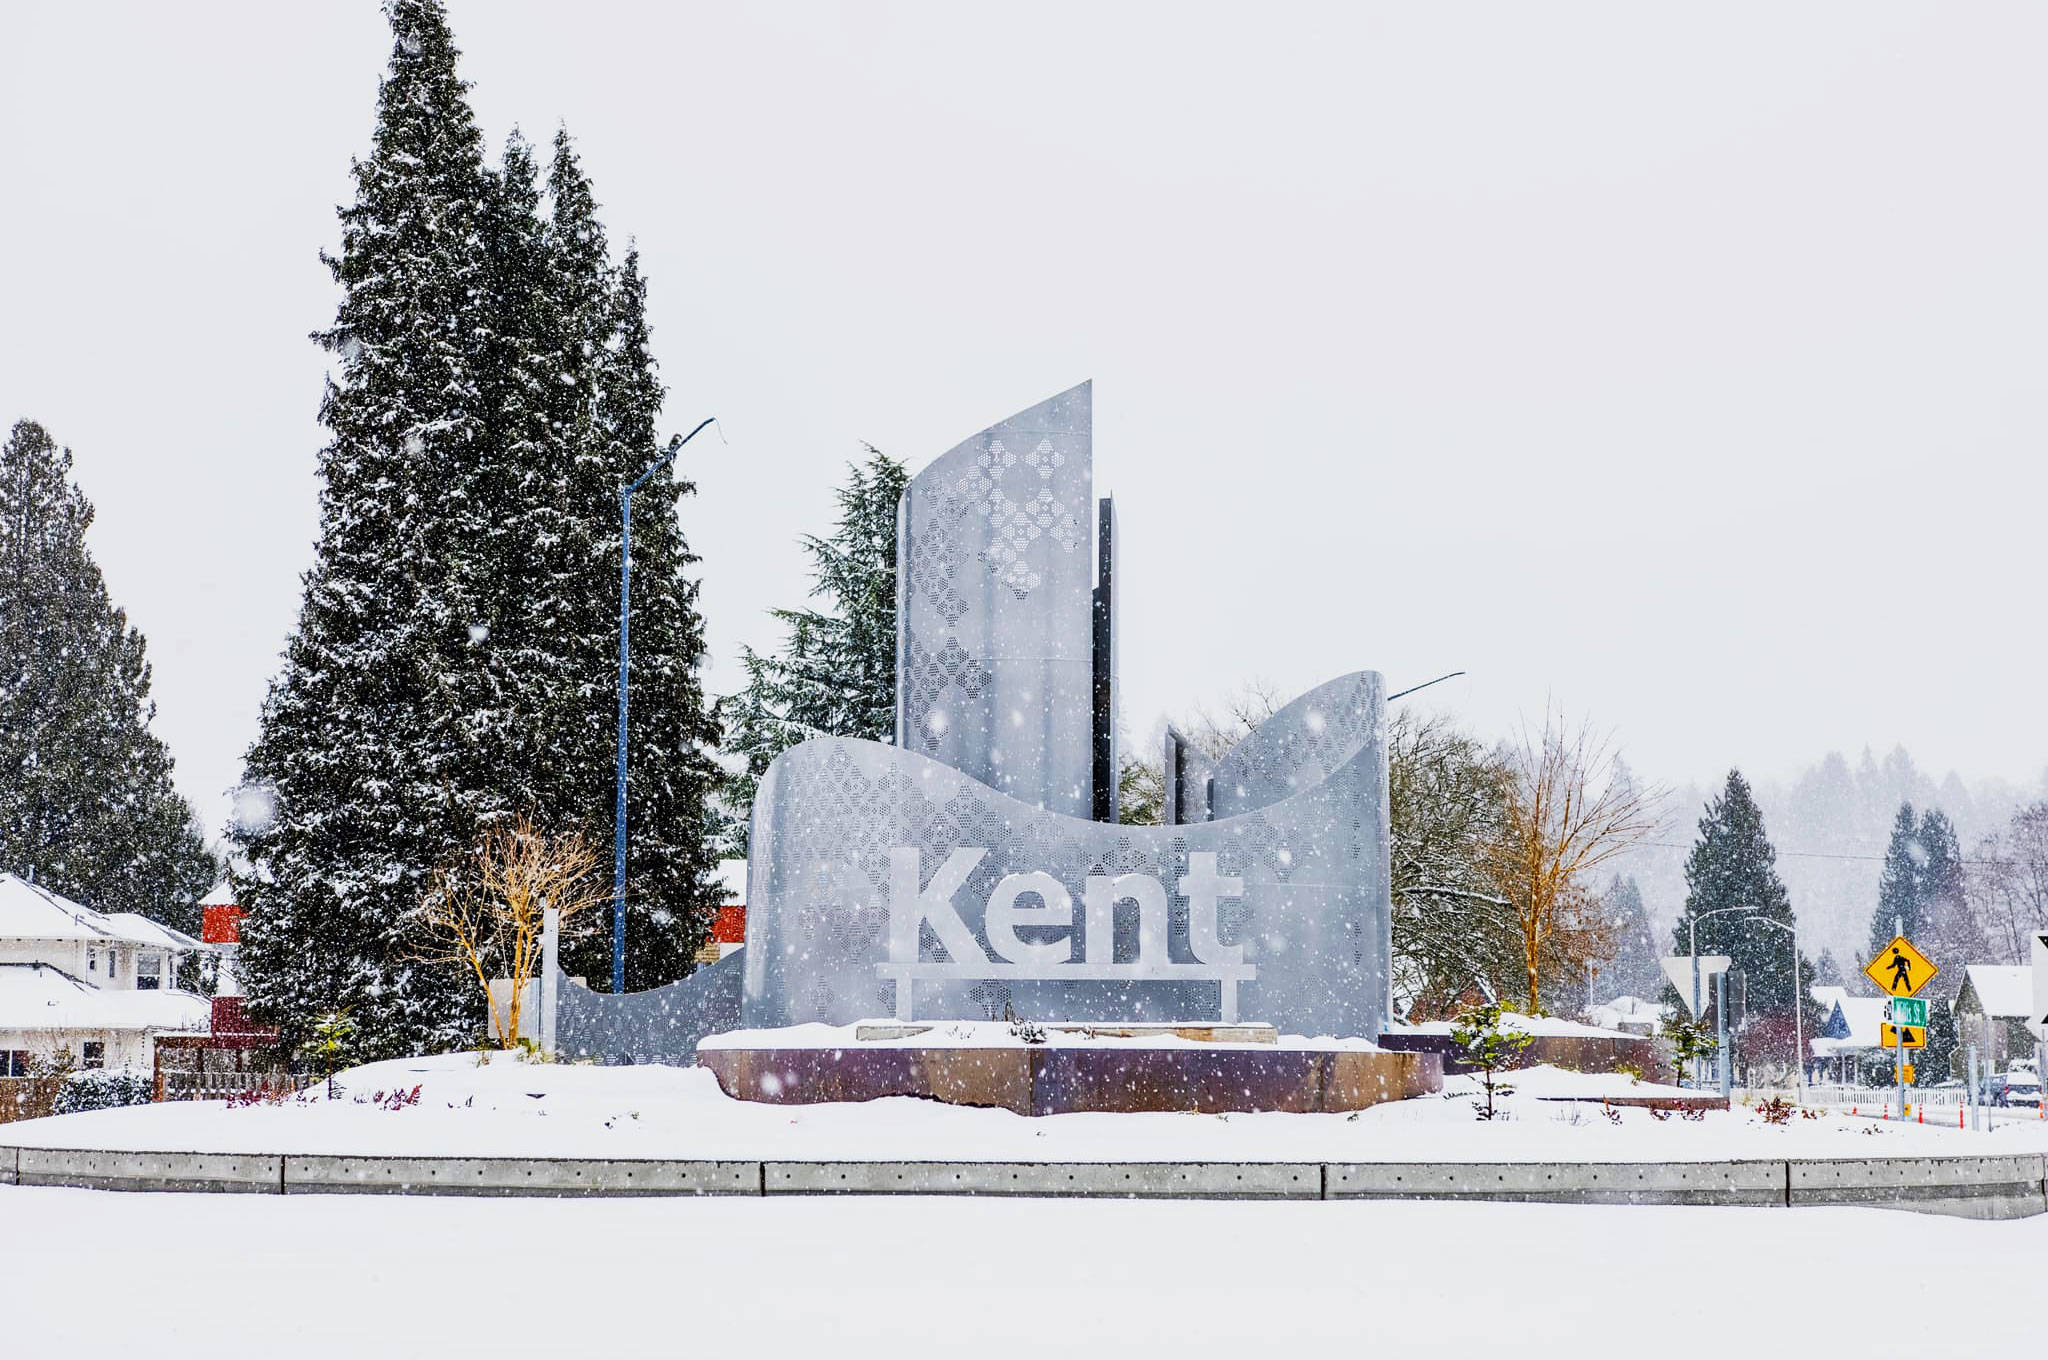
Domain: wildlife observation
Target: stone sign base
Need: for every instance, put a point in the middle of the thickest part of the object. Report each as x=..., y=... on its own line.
x=1573, y=1052
x=1070, y=1078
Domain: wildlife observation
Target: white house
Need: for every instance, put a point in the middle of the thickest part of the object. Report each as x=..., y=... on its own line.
x=1848, y=1033
x=1995, y=1010
x=100, y=986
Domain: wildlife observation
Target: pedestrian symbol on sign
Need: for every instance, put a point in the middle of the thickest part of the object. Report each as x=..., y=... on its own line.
x=1899, y=969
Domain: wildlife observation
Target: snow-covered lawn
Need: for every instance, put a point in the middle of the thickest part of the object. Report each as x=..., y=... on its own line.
x=86, y=1274
x=513, y=1108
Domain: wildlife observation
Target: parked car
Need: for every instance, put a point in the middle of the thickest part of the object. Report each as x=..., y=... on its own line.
x=2016, y=1088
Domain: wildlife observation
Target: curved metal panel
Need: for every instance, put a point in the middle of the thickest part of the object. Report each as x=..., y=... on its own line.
x=1310, y=912
x=662, y=1024
x=995, y=625
x=1300, y=746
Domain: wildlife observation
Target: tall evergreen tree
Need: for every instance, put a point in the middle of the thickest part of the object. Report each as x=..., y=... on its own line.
x=367, y=745
x=86, y=800
x=453, y=661
x=1942, y=922
x=1634, y=970
x=836, y=672
x=1899, y=893
x=1955, y=936
x=1733, y=870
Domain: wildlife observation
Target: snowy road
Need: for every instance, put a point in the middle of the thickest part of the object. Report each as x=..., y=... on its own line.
x=87, y=1274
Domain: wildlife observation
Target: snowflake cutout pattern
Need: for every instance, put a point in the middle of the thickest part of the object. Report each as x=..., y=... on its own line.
x=1017, y=521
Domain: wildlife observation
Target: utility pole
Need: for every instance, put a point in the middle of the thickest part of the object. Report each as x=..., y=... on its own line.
x=625, y=658
x=1721, y=1024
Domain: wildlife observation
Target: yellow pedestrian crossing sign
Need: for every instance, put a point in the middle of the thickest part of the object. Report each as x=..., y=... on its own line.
x=1888, y=1036
x=1899, y=969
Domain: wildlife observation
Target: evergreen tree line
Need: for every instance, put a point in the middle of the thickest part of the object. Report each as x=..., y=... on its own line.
x=86, y=802
x=453, y=666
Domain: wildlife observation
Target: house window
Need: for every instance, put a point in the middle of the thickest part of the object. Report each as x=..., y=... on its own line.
x=148, y=972
x=113, y=965
x=92, y=960
x=95, y=1053
x=13, y=1062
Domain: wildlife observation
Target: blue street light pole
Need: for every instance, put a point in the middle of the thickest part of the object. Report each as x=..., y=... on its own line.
x=625, y=658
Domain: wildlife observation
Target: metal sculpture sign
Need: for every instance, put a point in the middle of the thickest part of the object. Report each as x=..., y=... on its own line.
x=1060, y=954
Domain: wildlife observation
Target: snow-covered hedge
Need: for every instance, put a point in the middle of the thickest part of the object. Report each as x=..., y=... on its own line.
x=103, y=1089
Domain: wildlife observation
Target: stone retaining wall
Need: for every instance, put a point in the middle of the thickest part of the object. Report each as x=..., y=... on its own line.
x=1056, y=1079
x=1964, y=1187
x=1574, y=1052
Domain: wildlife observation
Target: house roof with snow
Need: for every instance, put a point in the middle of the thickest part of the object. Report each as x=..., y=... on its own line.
x=29, y=911
x=142, y=930
x=1626, y=1010
x=36, y=996
x=1853, y=1023
x=1999, y=990
x=732, y=882
x=1826, y=997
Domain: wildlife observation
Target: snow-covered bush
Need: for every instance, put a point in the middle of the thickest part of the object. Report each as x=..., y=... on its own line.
x=103, y=1088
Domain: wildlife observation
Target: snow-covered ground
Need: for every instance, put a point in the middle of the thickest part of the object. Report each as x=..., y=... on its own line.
x=513, y=1108
x=87, y=1274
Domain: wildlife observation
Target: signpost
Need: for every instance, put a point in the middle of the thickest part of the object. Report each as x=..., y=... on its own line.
x=1900, y=971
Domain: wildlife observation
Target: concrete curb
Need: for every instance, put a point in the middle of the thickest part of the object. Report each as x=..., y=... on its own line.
x=1959, y=1187
x=329, y=1175
x=1756, y=1183
x=245, y=1173
x=1100, y=1180
x=2000, y=1187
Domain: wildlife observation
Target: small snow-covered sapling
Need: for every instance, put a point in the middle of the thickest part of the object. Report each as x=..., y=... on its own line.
x=1484, y=1043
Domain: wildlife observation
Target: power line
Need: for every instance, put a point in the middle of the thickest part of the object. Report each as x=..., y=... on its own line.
x=1807, y=854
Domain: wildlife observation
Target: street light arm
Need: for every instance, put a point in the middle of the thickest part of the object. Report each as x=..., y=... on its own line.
x=1424, y=685
x=668, y=457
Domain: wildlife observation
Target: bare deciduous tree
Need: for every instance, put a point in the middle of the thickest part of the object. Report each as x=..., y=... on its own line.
x=484, y=913
x=1571, y=808
x=2009, y=883
x=1453, y=926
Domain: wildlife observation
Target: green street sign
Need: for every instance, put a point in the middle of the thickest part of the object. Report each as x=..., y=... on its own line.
x=1908, y=1011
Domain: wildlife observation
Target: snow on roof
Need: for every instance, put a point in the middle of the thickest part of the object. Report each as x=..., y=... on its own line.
x=1827, y=996
x=142, y=930
x=35, y=996
x=1861, y=1015
x=1625, y=1010
x=223, y=895
x=732, y=882
x=29, y=911
x=2002, y=989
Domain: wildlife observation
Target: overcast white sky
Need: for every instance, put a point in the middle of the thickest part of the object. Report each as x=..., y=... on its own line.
x=1684, y=364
